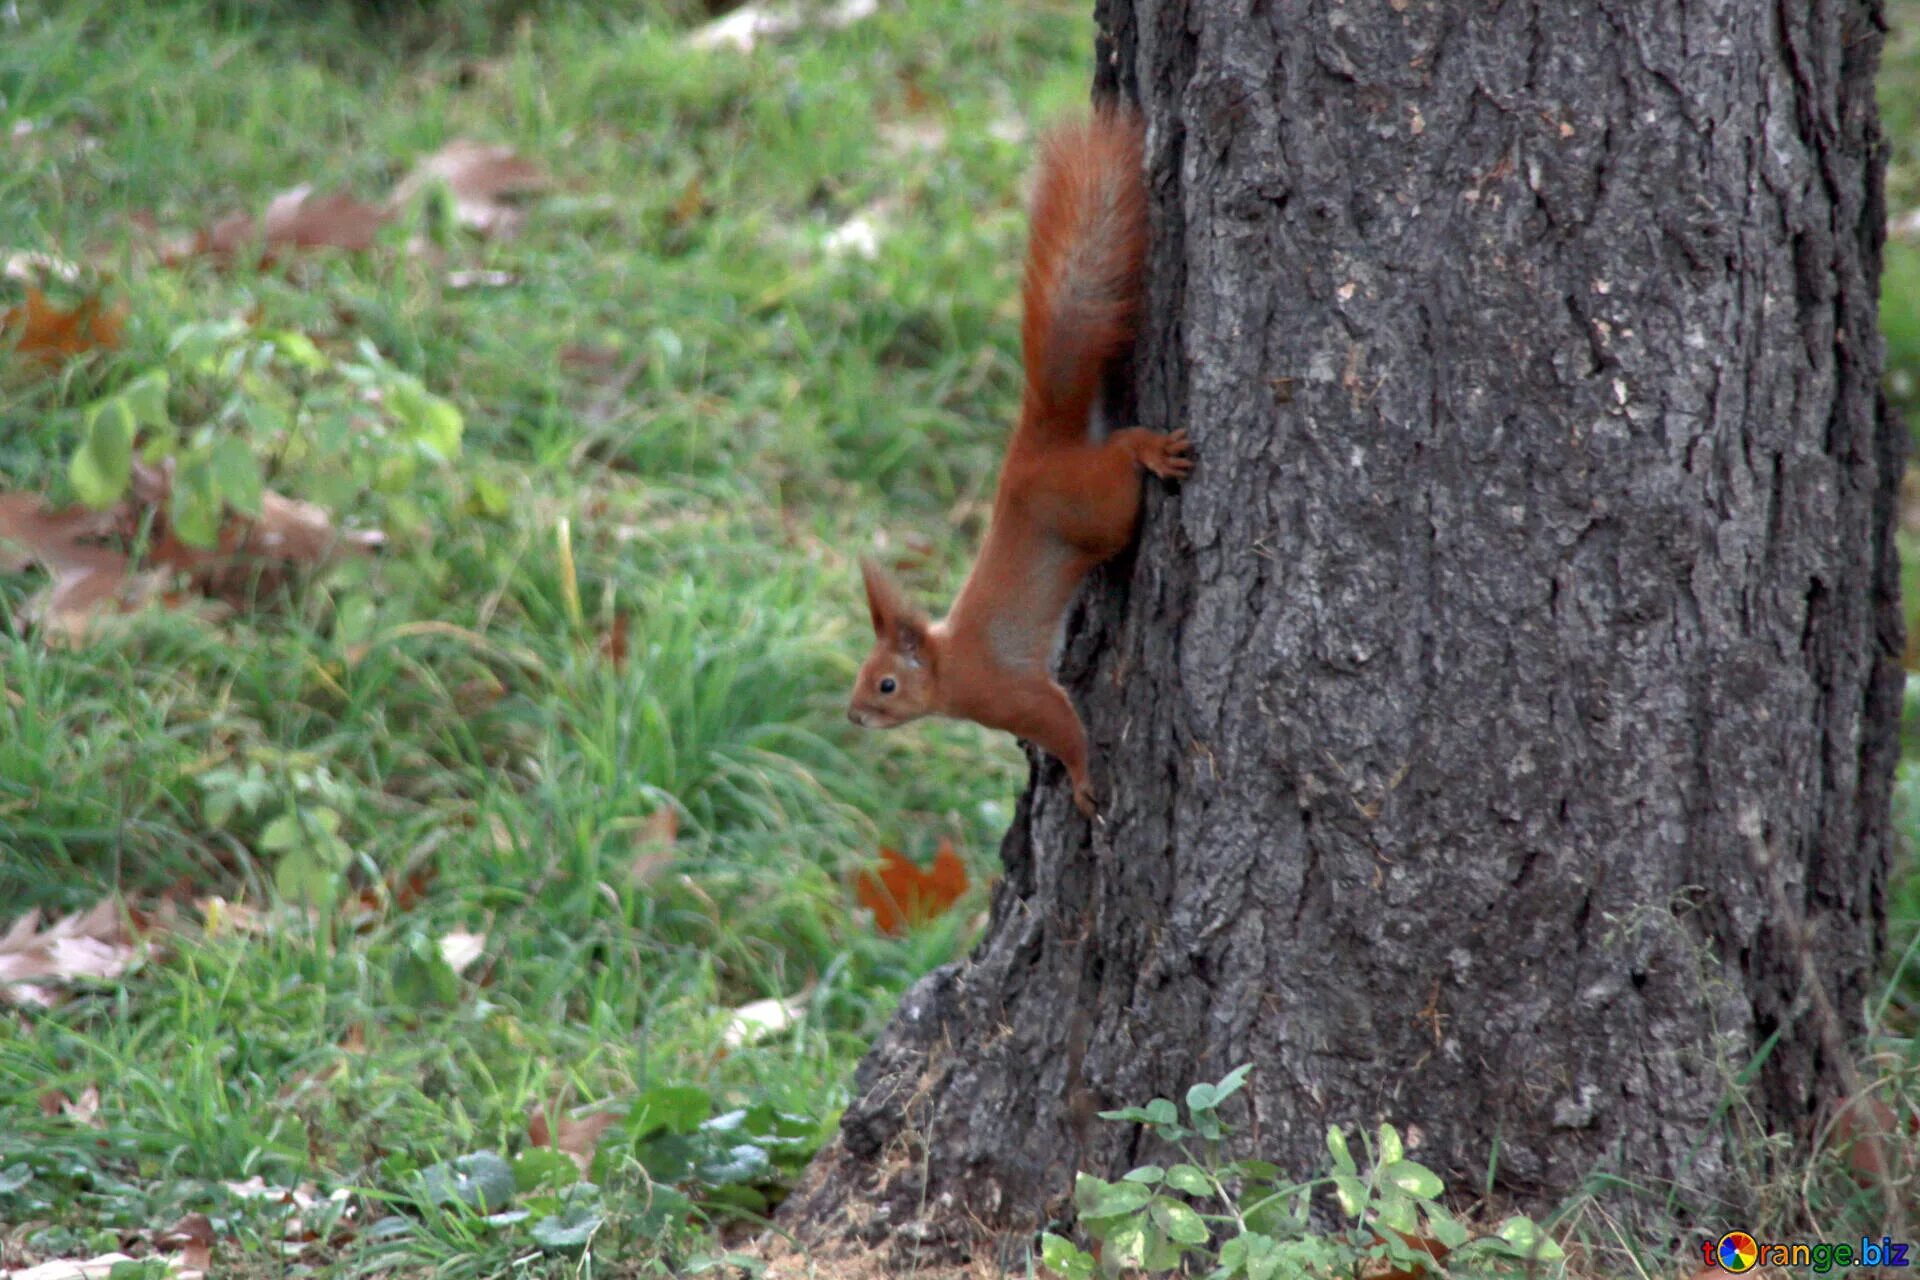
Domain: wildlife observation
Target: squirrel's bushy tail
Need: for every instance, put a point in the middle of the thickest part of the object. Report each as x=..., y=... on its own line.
x=1084, y=262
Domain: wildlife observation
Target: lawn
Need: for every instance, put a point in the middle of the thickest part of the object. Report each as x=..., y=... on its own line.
x=439, y=851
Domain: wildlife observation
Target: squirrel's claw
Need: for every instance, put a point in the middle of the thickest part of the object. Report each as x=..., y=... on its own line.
x=1171, y=460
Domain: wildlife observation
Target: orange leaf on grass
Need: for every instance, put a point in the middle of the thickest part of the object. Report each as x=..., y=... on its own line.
x=52, y=334
x=901, y=895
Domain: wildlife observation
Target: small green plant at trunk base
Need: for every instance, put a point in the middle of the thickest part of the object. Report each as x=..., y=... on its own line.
x=1239, y=1217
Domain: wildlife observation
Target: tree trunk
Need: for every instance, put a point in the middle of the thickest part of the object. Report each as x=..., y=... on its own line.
x=1511, y=693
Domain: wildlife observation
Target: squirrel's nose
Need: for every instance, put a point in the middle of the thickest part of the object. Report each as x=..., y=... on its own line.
x=853, y=714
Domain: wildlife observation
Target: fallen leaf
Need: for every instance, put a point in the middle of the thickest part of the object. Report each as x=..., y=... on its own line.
x=51, y=334
x=485, y=182
x=613, y=645
x=1874, y=1142
x=690, y=204
x=191, y=1242
x=858, y=237
x=752, y=1023
x=292, y=530
x=396, y=893
x=85, y=1109
x=304, y=1196
x=87, y=578
x=28, y=266
x=217, y=914
x=578, y=1138
x=654, y=843
x=300, y=1225
x=255, y=554
x=83, y=578
x=28, y=529
x=460, y=950
x=1419, y=1244
x=905, y=137
x=761, y=20
x=585, y=356
x=296, y=219
x=471, y=697
x=481, y=279
x=902, y=895
x=87, y=944
x=407, y=891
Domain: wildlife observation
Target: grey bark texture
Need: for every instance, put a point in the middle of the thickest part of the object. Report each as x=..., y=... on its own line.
x=1505, y=709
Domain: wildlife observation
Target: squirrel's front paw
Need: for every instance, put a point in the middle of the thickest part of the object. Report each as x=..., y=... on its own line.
x=1083, y=801
x=1170, y=460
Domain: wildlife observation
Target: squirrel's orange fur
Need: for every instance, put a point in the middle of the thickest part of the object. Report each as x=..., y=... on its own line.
x=1066, y=500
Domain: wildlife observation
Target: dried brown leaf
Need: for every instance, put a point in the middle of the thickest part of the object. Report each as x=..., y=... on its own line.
x=579, y=1138
x=85, y=1109
x=486, y=183
x=255, y=554
x=87, y=944
x=84, y=579
x=217, y=915
x=190, y=1241
x=87, y=576
x=588, y=356
x=690, y=205
x=613, y=644
x=653, y=845
x=303, y=1196
x=296, y=219
x=295, y=1230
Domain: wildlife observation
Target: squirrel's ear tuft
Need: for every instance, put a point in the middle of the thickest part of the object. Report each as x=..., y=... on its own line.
x=893, y=618
x=884, y=600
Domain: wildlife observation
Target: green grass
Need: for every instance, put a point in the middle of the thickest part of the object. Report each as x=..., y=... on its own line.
x=763, y=409
x=766, y=409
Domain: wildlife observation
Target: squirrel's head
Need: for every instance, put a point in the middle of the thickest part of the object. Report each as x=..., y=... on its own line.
x=896, y=681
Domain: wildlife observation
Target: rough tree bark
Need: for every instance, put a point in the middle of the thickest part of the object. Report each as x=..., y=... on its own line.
x=1516, y=675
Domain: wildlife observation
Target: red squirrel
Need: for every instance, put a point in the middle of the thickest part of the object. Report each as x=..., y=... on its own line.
x=1067, y=500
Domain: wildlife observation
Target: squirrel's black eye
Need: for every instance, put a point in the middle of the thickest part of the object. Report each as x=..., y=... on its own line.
x=888, y=685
